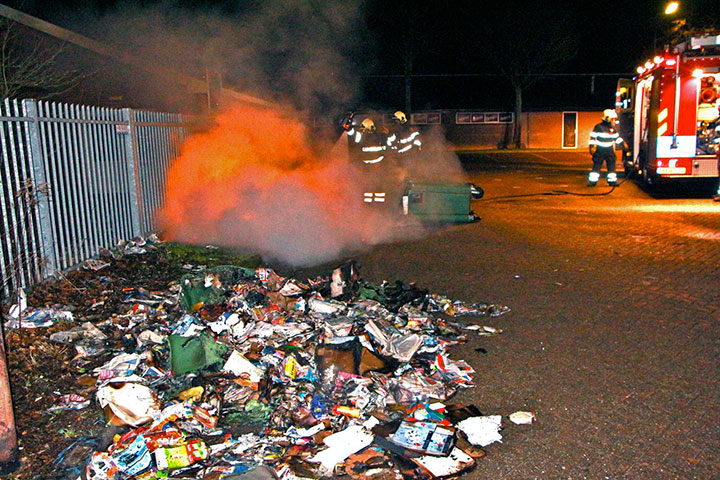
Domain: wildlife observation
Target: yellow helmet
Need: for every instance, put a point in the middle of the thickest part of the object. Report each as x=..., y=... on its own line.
x=400, y=116
x=608, y=114
x=368, y=124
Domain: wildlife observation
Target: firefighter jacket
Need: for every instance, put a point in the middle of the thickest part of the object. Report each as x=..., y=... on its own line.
x=604, y=136
x=404, y=139
x=370, y=146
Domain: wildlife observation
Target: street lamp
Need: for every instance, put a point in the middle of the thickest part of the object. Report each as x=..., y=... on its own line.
x=667, y=31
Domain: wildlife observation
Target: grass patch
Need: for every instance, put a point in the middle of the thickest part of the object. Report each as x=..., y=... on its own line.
x=182, y=253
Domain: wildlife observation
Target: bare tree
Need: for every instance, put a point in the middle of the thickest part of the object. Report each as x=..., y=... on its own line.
x=30, y=65
x=526, y=44
x=412, y=36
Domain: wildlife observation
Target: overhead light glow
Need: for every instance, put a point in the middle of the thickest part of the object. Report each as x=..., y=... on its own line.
x=671, y=8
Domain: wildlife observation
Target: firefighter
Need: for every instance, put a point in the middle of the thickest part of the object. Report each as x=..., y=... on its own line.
x=403, y=139
x=370, y=147
x=602, y=143
x=368, y=140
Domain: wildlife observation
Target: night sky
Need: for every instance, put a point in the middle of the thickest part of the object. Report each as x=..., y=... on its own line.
x=465, y=40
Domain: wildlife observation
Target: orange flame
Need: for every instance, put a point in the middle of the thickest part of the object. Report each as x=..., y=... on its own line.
x=253, y=181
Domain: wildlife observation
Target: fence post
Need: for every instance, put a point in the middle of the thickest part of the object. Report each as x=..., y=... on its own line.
x=41, y=190
x=8, y=436
x=133, y=169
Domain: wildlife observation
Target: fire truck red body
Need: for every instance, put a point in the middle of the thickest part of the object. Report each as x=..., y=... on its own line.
x=670, y=113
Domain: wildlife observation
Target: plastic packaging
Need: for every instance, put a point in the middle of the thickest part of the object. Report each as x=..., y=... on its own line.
x=347, y=411
x=172, y=458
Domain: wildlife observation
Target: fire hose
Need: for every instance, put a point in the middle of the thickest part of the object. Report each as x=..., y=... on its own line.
x=560, y=192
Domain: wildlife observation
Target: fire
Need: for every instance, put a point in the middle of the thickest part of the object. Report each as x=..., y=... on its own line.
x=253, y=181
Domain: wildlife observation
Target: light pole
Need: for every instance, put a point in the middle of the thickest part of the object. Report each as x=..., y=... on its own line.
x=671, y=8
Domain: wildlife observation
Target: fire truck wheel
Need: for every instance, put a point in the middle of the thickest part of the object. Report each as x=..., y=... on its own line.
x=629, y=170
x=628, y=164
x=646, y=177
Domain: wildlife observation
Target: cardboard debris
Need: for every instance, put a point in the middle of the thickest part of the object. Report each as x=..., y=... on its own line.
x=238, y=372
x=452, y=464
x=127, y=402
x=341, y=446
x=482, y=431
x=424, y=437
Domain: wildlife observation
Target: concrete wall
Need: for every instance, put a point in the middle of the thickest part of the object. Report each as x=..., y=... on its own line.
x=545, y=129
x=539, y=130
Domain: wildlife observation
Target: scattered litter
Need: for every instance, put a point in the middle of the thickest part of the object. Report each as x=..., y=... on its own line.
x=172, y=458
x=522, y=418
x=191, y=354
x=424, y=437
x=21, y=317
x=17, y=309
x=482, y=431
x=239, y=373
x=95, y=264
x=127, y=402
x=341, y=446
x=452, y=464
x=70, y=402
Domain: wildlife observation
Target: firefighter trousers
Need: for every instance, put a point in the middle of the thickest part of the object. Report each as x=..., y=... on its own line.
x=600, y=157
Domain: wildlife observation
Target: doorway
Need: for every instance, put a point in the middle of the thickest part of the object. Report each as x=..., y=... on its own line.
x=569, y=130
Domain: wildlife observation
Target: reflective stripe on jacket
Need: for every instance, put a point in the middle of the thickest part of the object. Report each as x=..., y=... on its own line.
x=605, y=136
x=404, y=139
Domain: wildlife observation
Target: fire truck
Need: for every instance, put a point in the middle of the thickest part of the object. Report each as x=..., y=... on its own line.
x=669, y=113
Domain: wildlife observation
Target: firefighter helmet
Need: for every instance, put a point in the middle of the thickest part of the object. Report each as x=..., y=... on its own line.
x=609, y=114
x=368, y=125
x=400, y=116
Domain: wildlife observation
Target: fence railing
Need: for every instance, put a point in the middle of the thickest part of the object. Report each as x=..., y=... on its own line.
x=75, y=178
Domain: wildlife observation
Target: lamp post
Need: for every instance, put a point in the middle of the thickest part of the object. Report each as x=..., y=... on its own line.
x=671, y=8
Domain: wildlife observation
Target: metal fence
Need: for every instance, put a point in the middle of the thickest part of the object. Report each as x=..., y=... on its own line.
x=75, y=178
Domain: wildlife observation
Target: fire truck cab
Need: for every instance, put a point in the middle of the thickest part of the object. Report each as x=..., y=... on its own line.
x=669, y=114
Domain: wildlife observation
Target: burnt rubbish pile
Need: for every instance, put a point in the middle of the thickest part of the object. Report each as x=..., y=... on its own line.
x=237, y=372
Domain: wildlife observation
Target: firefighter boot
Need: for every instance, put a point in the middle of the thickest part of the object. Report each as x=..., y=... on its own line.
x=612, y=179
x=593, y=179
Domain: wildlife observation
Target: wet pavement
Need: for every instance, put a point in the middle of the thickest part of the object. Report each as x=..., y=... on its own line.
x=614, y=336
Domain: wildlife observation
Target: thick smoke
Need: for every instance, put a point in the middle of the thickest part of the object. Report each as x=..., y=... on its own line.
x=255, y=177
x=303, y=53
x=252, y=181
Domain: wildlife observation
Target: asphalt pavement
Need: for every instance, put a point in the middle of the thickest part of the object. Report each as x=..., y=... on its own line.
x=614, y=336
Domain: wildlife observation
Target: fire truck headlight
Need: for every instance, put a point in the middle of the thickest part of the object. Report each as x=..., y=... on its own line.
x=697, y=73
